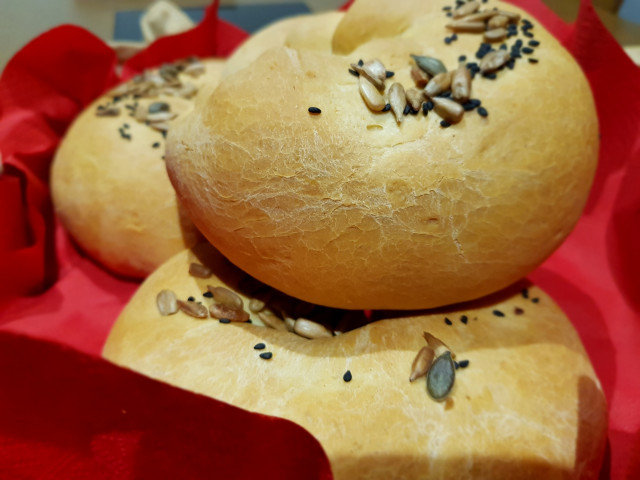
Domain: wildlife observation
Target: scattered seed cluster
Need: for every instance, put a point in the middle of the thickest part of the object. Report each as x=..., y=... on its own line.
x=436, y=88
x=150, y=84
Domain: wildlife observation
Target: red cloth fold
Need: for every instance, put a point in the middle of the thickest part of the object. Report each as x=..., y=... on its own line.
x=593, y=276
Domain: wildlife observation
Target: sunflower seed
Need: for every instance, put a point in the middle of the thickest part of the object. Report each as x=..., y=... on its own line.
x=441, y=376
x=480, y=16
x=438, y=84
x=272, y=321
x=308, y=329
x=194, y=69
x=430, y=65
x=167, y=302
x=495, y=35
x=290, y=323
x=224, y=296
x=466, y=9
x=415, y=98
x=160, y=117
x=512, y=16
x=494, y=60
x=374, y=71
x=421, y=363
x=256, y=305
x=160, y=126
x=199, y=270
x=464, y=26
x=449, y=110
x=397, y=100
x=109, y=111
x=193, y=309
x=225, y=312
x=461, y=84
x=372, y=97
x=420, y=77
x=438, y=346
x=498, y=21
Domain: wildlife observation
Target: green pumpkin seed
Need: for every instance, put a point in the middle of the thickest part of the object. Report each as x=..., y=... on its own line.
x=441, y=376
x=431, y=65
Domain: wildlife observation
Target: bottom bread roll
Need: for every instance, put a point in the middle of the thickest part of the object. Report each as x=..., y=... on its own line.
x=525, y=402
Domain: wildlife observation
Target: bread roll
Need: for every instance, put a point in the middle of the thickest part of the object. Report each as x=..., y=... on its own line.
x=108, y=180
x=350, y=209
x=309, y=32
x=527, y=405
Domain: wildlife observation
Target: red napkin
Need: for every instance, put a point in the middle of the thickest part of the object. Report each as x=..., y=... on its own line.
x=593, y=276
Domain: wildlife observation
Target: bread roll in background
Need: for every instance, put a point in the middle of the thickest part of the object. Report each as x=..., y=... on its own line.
x=527, y=405
x=309, y=32
x=350, y=209
x=108, y=180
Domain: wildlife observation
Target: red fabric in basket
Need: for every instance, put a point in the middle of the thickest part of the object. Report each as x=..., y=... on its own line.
x=60, y=407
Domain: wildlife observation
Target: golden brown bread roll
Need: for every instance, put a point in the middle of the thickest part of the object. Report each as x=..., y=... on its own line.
x=526, y=405
x=108, y=180
x=348, y=208
x=309, y=32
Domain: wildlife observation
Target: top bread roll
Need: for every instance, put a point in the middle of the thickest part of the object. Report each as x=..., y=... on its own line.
x=349, y=208
x=310, y=32
x=108, y=180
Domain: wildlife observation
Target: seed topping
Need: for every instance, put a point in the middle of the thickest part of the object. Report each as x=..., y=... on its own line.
x=441, y=376
x=193, y=309
x=200, y=271
x=421, y=363
x=309, y=329
x=167, y=302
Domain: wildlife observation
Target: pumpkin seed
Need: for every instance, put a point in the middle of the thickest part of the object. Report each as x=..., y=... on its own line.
x=193, y=309
x=157, y=107
x=430, y=65
x=167, y=302
x=421, y=363
x=371, y=95
x=441, y=376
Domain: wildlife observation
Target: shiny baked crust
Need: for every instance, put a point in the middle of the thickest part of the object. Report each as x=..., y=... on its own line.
x=349, y=209
x=113, y=194
x=528, y=405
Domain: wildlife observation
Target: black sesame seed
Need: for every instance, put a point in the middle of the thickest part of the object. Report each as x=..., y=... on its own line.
x=525, y=293
x=535, y=300
x=454, y=37
x=534, y=43
x=191, y=299
x=490, y=76
x=425, y=108
x=447, y=8
x=164, y=134
x=347, y=376
x=445, y=95
x=533, y=60
x=463, y=363
x=468, y=106
x=464, y=319
x=511, y=63
x=485, y=1
x=259, y=346
x=117, y=98
x=248, y=321
x=387, y=107
x=528, y=34
x=482, y=112
x=102, y=107
x=314, y=110
x=449, y=14
x=389, y=74
x=360, y=62
x=407, y=109
x=518, y=311
x=527, y=50
x=448, y=40
x=126, y=125
x=162, y=157
x=430, y=105
x=503, y=46
x=462, y=58
x=353, y=72
x=447, y=321
x=266, y=355
x=445, y=124
x=456, y=365
x=498, y=313
x=518, y=43
x=225, y=320
x=414, y=112
x=156, y=144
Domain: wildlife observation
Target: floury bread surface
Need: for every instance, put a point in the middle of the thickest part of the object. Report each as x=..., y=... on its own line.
x=527, y=406
x=110, y=187
x=350, y=209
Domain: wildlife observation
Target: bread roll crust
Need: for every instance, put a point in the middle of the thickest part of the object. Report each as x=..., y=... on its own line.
x=528, y=405
x=113, y=194
x=349, y=209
